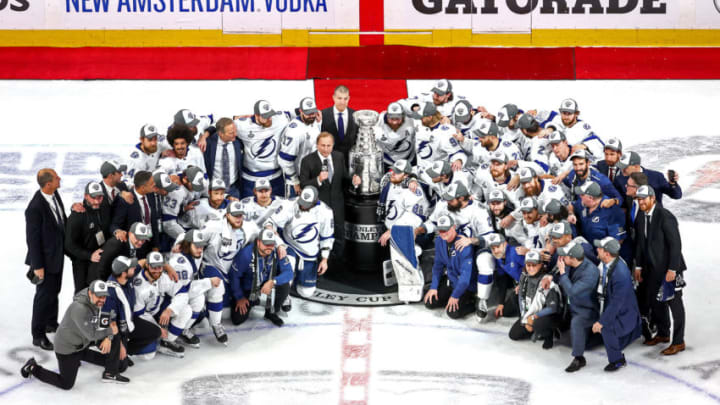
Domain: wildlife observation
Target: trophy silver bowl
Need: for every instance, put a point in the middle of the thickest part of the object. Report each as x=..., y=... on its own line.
x=365, y=157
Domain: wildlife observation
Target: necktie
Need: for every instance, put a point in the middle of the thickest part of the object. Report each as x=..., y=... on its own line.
x=612, y=174
x=113, y=194
x=647, y=223
x=327, y=164
x=146, y=220
x=341, y=127
x=226, y=165
x=58, y=213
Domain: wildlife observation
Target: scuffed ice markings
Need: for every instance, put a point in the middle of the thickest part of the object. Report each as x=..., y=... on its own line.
x=695, y=158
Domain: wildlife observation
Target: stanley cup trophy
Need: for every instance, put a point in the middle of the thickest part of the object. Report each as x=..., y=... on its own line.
x=365, y=157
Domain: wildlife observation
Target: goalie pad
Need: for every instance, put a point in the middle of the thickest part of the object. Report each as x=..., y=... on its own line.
x=403, y=258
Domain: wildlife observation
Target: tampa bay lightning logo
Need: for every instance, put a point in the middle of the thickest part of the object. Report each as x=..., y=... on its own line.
x=424, y=150
x=306, y=234
x=229, y=255
x=465, y=230
x=264, y=149
x=392, y=211
x=402, y=146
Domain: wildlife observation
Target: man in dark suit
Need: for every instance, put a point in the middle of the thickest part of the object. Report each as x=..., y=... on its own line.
x=613, y=152
x=113, y=186
x=338, y=121
x=224, y=156
x=630, y=163
x=145, y=209
x=138, y=236
x=326, y=170
x=45, y=235
x=659, y=264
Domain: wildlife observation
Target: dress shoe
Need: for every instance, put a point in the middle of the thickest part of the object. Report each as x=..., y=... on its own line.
x=674, y=349
x=43, y=343
x=274, y=318
x=656, y=340
x=577, y=363
x=28, y=367
x=616, y=365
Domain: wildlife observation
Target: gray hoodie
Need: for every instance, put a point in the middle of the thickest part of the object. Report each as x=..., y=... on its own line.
x=80, y=325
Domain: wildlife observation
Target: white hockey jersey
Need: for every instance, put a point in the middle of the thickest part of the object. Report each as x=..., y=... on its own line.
x=149, y=295
x=261, y=215
x=396, y=145
x=549, y=192
x=472, y=221
x=141, y=161
x=261, y=146
x=297, y=141
x=404, y=207
x=188, y=270
x=225, y=242
x=481, y=155
x=445, y=109
x=581, y=132
x=438, y=189
x=175, y=221
x=436, y=143
x=310, y=232
x=175, y=166
x=518, y=138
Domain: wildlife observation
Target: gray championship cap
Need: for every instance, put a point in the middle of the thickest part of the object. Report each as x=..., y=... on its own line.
x=235, y=209
x=525, y=121
x=262, y=184
x=196, y=237
x=267, y=237
x=533, y=256
x=155, y=259
x=506, y=113
x=99, y=288
x=614, y=144
x=485, y=128
x=494, y=239
x=111, y=166
x=628, y=159
x=394, y=110
x=141, y=231
x=402, y=166
x=568, y=105
x=528, y=204
x=455, y=190
x=217, y=184
x=439, y=168
x=498, y=156
x=308, y=197
x=608, y=243
x=560, y=229
x=580, y=153
x=644, y=192
x=426, y=110
x=149, y=131
x=196, y=177
x=557, y=137
x=552, y=207
x=186, y=117
x=308, y=106
x=445, y=222
x=591, y=188
x=462, y=111
x=442, y=87
x=527, y=174
x=93, y=189
x=163, y=181
x=263, y=109
x=122, y=264
x=496, y=196
x=572, y=249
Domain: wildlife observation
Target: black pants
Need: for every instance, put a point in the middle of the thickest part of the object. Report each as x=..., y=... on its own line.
x=661, y=316
x=68, y=365
x=145, y=332
x=81, y=278
x=45, y=304
x=466, y=303
x=543, y=326
x=282, y=291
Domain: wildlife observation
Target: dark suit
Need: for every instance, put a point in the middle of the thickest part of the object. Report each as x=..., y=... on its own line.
x=81, y=240
x=112, y=249
x=329, y=124
x=331, y=193
x=657, y=181
x=127, y=214
x=620, y=318
x=604, y=168
x=656, y=253
x=46, y=250
x=210, y=155
x=107, y=207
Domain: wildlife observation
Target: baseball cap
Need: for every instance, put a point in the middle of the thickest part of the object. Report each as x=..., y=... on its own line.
x=438, y=168
x=263, y=109
x=462, y=111
x=394, y=110
x=614, y=144
x=568, y=105
x=262, y=184
x=308, y=197
x=573, y=250
x=445, y=222
x=506, y=113
x=141, y=231
x=494, y=239
x=485, y=128
x=591, y=188
x=402, y=166
x=217, y=184
x=644, y=192
x=122, y=264
x=442, y=87
x=111, y=166
x=559, y=229
x=155, y=259
x=162, y=180
x=580, y=153
x=267, y=237
x=455, y=190
x=608, y=243
x=308, y=106
x=93, y=189
x=149, y=131
x=552, y=207
x=557, y=137
x=498, y=156
x=196, y=237
x=235, y=208
x=196, y=177
x=628, y=159
x=426, y=110
x=99, y=288
x=496, y=195
x=525, y=121
x=527, y=174
x=528, y=204
x=533, y=256
x=186, y=117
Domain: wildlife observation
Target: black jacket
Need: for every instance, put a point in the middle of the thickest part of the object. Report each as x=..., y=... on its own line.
x=81, y=232
x=331, y=193
x=329, y=124
x=112, y=249
x=127, y=214
x=44, y=236
x=661, y=250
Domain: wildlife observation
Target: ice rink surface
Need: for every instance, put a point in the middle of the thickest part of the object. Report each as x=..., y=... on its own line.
x=329, y=354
